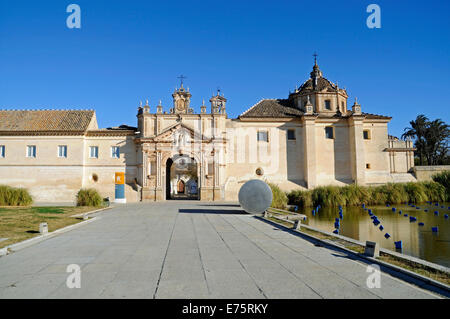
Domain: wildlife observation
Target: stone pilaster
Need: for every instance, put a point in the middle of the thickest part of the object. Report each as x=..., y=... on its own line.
x=357, y=156
x=309, y=144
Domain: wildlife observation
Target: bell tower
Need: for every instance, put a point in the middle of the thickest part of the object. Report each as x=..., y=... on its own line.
x=218, y=104
x=181, y=99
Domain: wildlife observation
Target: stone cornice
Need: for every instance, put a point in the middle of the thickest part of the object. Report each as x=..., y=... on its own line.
x=110, y=133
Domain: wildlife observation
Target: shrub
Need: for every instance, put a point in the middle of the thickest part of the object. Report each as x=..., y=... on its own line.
x=416, y=192
x=89, y=197
x=10, y=196
x=280, y=199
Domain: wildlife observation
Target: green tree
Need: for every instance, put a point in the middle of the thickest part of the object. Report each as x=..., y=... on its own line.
x=417, y=132
x=430, y=139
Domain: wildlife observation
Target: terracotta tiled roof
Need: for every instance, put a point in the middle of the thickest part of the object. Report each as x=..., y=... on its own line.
x=45, y=120
x=272, y=108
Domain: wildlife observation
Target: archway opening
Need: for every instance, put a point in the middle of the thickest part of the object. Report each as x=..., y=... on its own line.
x=182, y=178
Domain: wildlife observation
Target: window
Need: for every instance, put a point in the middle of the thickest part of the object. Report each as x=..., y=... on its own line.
x=366, y=134
x=93, y=151
x=291, y=135
x=31, y=151
x=2, y=151
x=329, y=132
x=367, y=165
x=263, y=136
x=62, y=151
x=343, y=107
x=327, y=104
x=115, y=152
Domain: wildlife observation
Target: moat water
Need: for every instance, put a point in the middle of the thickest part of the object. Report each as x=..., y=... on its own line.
x=418, y=241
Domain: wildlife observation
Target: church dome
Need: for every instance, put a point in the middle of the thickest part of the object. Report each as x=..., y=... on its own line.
x=318, y=84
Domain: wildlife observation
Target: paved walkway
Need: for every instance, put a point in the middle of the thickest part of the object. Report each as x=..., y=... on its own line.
x=188, y=250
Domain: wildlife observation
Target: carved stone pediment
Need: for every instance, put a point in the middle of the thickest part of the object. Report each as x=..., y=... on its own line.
x=179, y=133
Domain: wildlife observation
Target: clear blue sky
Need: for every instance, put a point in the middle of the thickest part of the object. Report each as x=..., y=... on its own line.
x=128, y=51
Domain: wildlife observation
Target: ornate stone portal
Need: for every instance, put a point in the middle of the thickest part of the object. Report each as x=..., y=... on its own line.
x=182, y=152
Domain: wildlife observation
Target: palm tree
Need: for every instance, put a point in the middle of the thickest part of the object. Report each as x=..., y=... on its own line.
x=431, y=139
x=417, y=132
x=436, y=137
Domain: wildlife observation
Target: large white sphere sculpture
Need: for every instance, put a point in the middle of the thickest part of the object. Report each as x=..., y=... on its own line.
x=255, y=196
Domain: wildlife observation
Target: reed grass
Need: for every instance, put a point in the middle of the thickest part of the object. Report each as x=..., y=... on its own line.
x=354, y=195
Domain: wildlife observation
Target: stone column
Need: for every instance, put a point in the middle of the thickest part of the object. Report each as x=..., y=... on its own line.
x=357, y=155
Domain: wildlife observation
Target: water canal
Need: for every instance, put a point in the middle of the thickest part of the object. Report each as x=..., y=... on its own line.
x=418, y=241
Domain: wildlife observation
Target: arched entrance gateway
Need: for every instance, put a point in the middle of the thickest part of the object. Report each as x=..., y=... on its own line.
x=182, y=178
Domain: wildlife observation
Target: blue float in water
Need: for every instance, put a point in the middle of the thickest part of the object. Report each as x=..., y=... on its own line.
x=406, y=215
x=421, y=224
x=417, y=207
x=434, y=229
x=387, y=235
x=370, y=210
x=412, y=219
x=426, y=210
x=295, y=208
x=337, y=220
x=436, y=213
x=381, y=227
x=376, y=222
x=437, y=204
x=446, y=216
x=442, y=207
x=394, y=209
x=337, y=225
x=398, y=244
x=336, y=231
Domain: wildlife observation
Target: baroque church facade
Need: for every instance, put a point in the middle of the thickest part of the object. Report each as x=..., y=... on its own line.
x=310, y=138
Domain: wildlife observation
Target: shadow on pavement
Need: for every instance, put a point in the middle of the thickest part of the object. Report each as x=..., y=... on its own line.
x=356, y=257
x=213, y=211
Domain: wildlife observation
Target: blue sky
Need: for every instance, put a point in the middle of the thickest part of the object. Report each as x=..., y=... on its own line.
x=128, y=51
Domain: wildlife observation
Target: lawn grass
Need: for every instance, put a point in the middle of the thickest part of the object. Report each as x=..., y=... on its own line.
x=21, y=223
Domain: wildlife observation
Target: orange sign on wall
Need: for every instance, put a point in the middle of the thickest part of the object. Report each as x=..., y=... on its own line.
x=120, y=178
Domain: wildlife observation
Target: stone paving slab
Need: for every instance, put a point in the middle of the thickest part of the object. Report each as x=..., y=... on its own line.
x=189, y=250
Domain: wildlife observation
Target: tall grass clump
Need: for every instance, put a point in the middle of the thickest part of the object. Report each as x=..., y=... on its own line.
x=443, y=178
x=354, y=195
x=435, y=192
x=10, y=196
x=394, y=193
x=328, y=196
x=89, y=197
x=279, y=199
x=300, y=198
